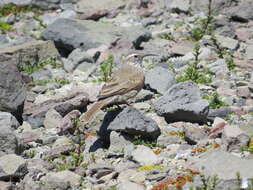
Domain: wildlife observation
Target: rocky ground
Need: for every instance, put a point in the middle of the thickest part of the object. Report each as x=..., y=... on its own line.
x=191, y=127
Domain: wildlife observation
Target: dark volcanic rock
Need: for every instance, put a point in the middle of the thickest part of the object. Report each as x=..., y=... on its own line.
x=182, y=102
x=12, y=88
x=133, y=122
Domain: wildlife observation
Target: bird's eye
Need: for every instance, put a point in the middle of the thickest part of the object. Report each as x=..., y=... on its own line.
x=135, y=56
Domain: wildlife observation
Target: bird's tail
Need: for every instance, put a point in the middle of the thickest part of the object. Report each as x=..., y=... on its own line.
x=87, y=116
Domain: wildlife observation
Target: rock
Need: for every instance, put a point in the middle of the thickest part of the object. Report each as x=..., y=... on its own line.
x=165, y=140
x=30, y=52
x=143, y=95
x=35, y=114
x=76, y=58
x=134, y=123
x=234, y=138
x=130, y=185
x=217, y=127
x=88, y=7
x=243, y=91
x=159, y=79
x=8, y=140
x=17, y=2
x=249, y=52
x=13, y=91
x=182, y=102
x=225, y=166
x=61, y=180
x=3, y=40
x=131, y=175
x=70, y=34
x=179, y=6
x=194, y=134
x=49, y=18
x=182, y=47
x=118, y=141
x=52, y=119
x=99, y=171
x=220, y=112
x=227, y=42
x=12, y=166
x=144, y=155
x=198, y=6
x=67, y=122
x=242, y=12
x=5, y=185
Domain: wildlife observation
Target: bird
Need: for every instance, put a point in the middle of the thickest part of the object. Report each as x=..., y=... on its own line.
x=125, y=83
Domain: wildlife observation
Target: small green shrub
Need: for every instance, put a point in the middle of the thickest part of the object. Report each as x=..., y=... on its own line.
x=138, y=140
x=166, y=36
x=193, y=72
x=106, y=68
x=215, y=101
x=30, y=68
x=5, y=26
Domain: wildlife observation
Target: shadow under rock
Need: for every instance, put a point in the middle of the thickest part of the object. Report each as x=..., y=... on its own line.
x=103, y=132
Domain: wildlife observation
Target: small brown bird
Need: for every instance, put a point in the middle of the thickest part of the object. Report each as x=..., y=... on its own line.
x=124, y=84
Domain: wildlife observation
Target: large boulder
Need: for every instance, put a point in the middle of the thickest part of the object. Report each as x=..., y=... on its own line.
x=70, y=34
x=182, y=102
x=131, y=121
x=8, y=140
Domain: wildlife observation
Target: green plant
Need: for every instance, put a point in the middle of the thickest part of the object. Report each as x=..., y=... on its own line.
x=138, y=140
x=11, y=8
x=36, y=17
x=113, y=188
x=215, y=101
x=193, y=72
x=30, y=68
x=4, y=26
x=150, y=167
x=106, y=68
x=166, y=36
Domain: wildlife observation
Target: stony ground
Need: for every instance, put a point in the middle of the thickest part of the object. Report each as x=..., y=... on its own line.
x=191, y=127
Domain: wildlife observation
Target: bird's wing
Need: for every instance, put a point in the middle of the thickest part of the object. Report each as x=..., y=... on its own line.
x=117, y=88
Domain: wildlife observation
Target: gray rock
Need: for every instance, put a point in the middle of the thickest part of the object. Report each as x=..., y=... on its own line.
x=182, y=102
x=242, y=12
x=225, y=166
x=227, y=42
x=249, y=52
x=41, y=75
x=143, y=95
x=8, y=140
x=52, y=119
x=202, y=5
x=12, y=88
x=61, y=180
x=76, y=58
x=118, y=141
x=159, y=79
x=35, y=114
x=29, y=52
x=144, y=155
x=220, y=112
x=179, y=6
x=194, y=134
x=70, y=34
x=165, y=140
x=49, y=18
x=133, y=122
x=130, y=185
x=17, y=2
x=86, y=6
x=3, y=39
x=233, y=138
x=13, y=166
